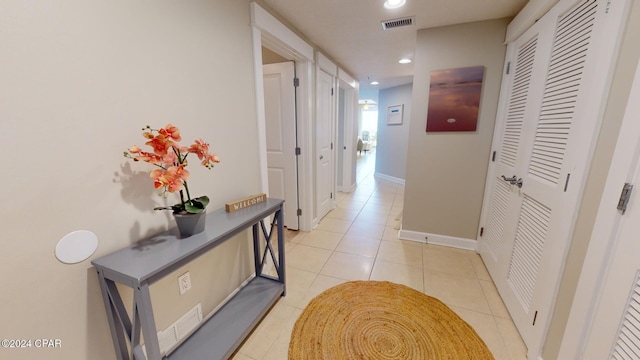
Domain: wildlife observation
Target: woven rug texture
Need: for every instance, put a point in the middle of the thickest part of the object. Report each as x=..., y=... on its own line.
x=370, y=320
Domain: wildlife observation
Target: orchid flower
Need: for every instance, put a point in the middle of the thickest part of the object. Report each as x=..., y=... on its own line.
x=171, y=160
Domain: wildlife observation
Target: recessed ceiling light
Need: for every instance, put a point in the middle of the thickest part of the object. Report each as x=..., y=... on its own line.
x=394, y=4
x=404, y=61
x=374, y=83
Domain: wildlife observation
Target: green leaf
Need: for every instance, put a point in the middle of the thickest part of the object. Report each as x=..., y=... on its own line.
x=204, y=200
x=192, y=209
x=196, y=205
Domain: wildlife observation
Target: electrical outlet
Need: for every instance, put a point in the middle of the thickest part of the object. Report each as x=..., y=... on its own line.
x=184, y=283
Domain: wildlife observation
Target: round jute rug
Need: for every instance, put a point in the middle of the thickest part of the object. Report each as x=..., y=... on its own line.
x=382, y=320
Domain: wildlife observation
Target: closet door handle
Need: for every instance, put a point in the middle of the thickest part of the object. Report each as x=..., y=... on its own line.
x=519, y=183
x=321, y=157
x=514, y=180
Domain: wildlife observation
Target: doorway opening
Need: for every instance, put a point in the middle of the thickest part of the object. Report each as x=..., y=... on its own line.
x=269, y=33
x=367, y=139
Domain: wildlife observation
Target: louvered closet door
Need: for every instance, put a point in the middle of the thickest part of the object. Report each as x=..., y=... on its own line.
x=546, y=139
x=510, y=156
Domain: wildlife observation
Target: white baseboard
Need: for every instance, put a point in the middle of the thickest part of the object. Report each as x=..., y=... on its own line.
x=435, y=239
x=412, y=236
x=389, y=178
x=348, y=188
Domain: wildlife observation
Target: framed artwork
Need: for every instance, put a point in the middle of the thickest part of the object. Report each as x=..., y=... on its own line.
x=394, y=114
x=454, y=99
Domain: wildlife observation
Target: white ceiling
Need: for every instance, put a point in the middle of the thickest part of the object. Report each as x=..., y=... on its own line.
x=350, y=31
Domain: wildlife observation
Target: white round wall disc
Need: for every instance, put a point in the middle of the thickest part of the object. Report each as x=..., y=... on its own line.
x=76, y=246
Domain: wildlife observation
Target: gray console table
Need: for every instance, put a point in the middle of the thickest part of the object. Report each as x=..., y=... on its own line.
x=147, y=261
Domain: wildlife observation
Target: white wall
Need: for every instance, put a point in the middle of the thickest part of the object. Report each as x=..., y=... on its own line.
x=446, y=171
x=391, y=153
x=78, y=80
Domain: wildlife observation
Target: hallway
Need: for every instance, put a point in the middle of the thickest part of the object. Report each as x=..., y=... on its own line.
x=365, y=165
x=357, y=241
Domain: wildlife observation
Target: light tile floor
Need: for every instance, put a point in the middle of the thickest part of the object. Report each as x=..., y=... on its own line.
x=358, y=241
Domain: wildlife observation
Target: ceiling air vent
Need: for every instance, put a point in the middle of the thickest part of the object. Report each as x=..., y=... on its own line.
x=394, y=23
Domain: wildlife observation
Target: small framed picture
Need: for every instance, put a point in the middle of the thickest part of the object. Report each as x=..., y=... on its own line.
x=394, y=115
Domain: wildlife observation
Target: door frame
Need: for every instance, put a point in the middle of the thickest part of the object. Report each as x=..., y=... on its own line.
x=267, y=31
x=286, y=104
x=350, y=86
x=327, y=66
x=600, y=249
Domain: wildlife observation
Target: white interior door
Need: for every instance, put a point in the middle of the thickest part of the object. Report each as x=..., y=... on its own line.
x=324, y=142
x=280, y=118
x=615, y=330
x=347, y=135
x=547, y=131
x=341, y=146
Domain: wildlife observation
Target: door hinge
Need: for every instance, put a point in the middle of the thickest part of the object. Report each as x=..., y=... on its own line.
x=299, y=212
x=331, y=91
x=296, y=82
x=331, y=146
x=331, y=195
x=493, y=157
x=535, y=316
x=298, y=152
x=625, y=195
x=481, y=231
x=508, y=67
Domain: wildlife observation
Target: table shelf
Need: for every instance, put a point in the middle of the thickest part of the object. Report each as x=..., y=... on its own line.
x=147, y=261
x=219, y=337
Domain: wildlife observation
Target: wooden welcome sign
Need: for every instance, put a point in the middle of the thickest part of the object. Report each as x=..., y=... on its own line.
x=246, y=202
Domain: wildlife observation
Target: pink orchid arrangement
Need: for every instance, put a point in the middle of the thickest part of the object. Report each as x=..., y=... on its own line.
x=171, y=159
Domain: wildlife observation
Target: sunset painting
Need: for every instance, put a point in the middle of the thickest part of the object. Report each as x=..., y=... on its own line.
x=454, y=99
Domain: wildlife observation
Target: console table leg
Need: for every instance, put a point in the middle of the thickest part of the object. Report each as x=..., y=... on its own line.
x=142, y=301
x=117, y=333
x=281, y=245
x=256, y=249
